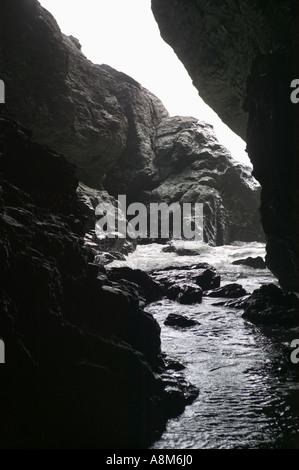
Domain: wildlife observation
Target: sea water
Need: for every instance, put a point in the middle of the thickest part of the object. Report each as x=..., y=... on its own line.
x=248, y=387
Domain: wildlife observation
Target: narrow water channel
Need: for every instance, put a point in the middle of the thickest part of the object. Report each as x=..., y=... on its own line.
x=248, y=387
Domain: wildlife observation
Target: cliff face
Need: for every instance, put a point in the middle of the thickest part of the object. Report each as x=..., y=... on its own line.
x=70, y=104
x=242, y=57
x=136, y=169
x=194, y=167
x=218, y=41
x=110, y=127
x=75, y=358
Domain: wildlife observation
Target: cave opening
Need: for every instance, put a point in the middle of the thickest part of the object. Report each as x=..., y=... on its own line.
x=141, y=343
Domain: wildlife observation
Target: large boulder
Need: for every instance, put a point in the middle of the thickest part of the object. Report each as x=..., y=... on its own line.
x=269, y=305
x=185, y=284
x=195, y=168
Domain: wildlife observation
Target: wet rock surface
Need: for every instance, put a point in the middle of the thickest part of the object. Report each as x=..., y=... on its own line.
x=75, y=109
x=229, y=290
x=186, y=284
x=177, y=392
x=136, y=170
x=194, y=167
x=180, y=321
x=104, y=214
x=90, y=113
x=269, y=305
x=180, y=251
x=217, y=43
x=149, y=289
x=208, y=279
x=241, y=56
x=257, y=263
x=273, y=146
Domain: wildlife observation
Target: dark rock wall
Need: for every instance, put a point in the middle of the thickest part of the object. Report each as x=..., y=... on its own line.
x=80, y=109
x=136, y=169
x=80, y=353
x=274, y=149
x=242, y=57
x=218, y=40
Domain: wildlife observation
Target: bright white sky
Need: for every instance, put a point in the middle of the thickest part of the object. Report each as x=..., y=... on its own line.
x=125, y=35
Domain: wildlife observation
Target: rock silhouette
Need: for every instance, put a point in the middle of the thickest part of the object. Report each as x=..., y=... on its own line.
x=241, y=57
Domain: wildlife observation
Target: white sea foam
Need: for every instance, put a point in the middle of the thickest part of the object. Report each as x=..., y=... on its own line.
x=150, y=257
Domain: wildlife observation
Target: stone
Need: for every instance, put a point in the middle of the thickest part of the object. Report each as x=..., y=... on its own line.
x=179, y=321
x=149, y=288
x=180, y=251
x=94, y=115
x=269, y=305
x=117, y=133
x=104, y=258
x=256, y=263
x=217, y=47
x=273, y=147
x=175, y=365
x=177, y=393
x=190, y=295
x=185, y=283
x=232, y=291
x=273, y=316
x=208, y=279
